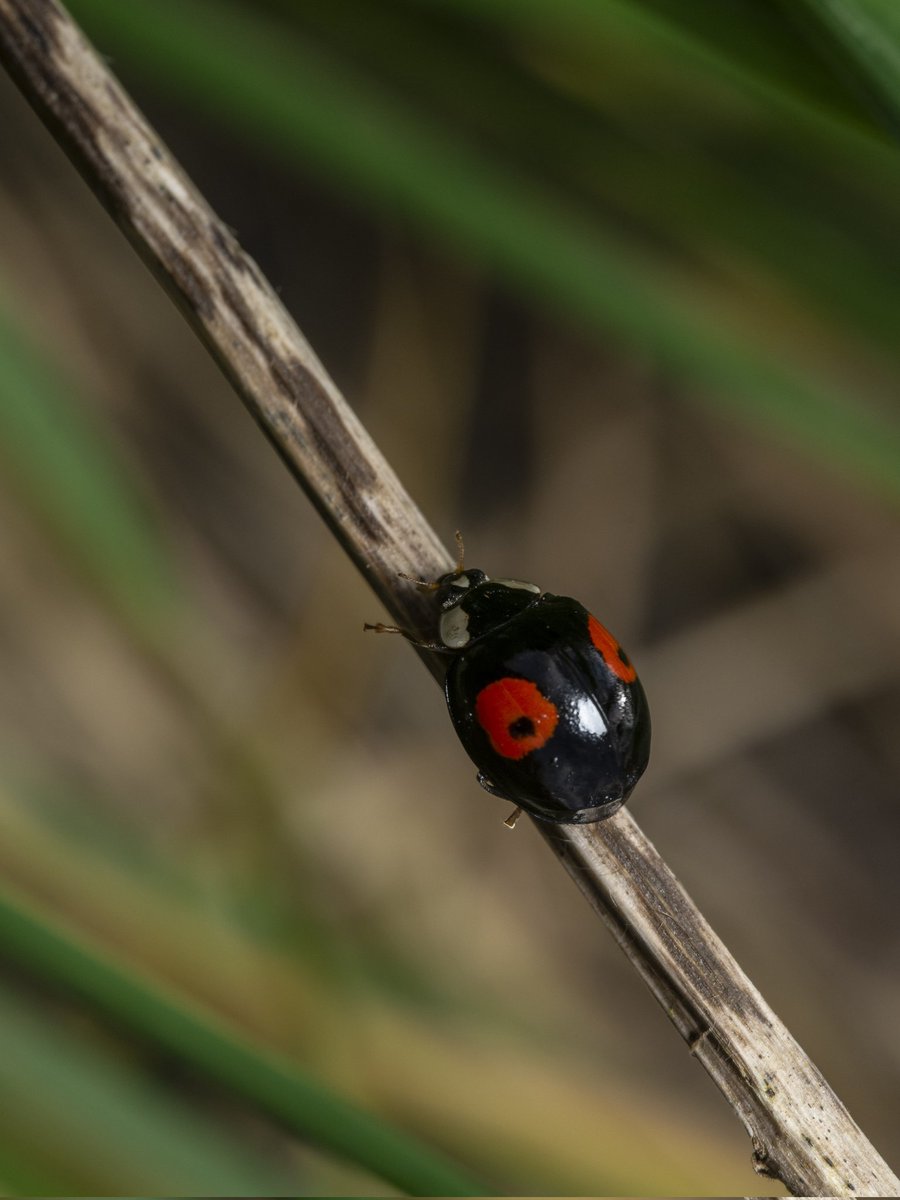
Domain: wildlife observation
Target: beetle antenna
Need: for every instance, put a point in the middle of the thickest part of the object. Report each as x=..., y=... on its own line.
x=424, y=585
x=460, y=552
x=431, y=585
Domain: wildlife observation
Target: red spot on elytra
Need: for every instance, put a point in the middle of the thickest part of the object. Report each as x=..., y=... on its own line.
x=515, y=716
x=613, y=654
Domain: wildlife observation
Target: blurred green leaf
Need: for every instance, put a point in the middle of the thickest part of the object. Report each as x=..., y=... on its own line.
x=76, y=1120
x=703, y=204
x=759, y=47
x=67, y=465
x=868, y=32
x=197, y=1038
x=747, y=43
x=309, y=108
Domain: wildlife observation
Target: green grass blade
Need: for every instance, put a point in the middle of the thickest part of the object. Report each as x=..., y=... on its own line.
x=77, y=1120
x=22, y=1175
x=283, y=1092
x=758, y=45
x=312, y=112
x=67, y=467
x=742, y=42
x=868, y=33
x=707, y=209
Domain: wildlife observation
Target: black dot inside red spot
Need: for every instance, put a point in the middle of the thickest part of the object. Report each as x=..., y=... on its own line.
x=623, y=657
x=521, y=727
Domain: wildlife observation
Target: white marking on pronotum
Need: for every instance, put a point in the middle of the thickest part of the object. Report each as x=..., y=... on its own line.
x=453, y=628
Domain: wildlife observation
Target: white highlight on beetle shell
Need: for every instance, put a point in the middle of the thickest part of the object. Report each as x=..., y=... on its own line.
x=454, y=628
x=591, y=718
x=519, y=583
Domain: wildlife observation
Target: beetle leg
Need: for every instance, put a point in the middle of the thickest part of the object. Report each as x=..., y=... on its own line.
x=510, y=821
x=410, y=637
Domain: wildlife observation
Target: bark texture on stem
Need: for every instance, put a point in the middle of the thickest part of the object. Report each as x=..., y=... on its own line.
x=800, y=1131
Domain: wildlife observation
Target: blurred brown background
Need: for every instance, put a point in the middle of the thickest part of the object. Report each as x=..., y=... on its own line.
x=209, y=768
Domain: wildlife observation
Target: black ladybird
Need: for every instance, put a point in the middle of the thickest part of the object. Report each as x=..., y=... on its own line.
x=544, y=699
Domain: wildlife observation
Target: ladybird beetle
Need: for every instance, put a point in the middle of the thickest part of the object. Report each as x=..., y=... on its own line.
x=543, y=698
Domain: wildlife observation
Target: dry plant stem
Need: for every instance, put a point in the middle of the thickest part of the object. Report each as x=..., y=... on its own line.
x=800, y=1131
